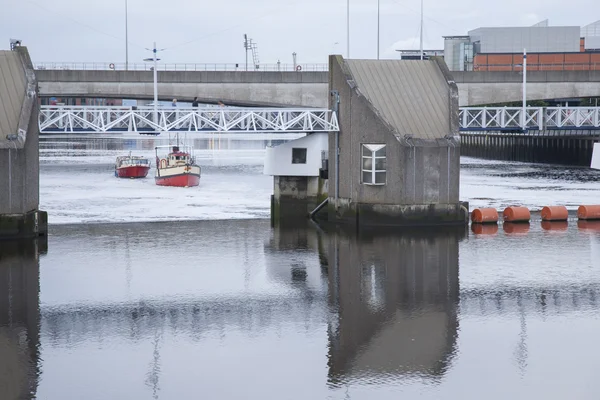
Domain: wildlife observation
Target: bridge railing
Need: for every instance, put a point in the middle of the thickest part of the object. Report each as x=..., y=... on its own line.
x=266, y=120
x=147, y=120
x=536, y=118
x=591, y=66
x=107, y=66
x=494, y=118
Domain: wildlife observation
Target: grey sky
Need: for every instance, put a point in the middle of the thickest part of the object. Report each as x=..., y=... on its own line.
x=211, y=31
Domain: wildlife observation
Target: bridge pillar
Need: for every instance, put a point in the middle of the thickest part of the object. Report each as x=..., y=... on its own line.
x=19, y=148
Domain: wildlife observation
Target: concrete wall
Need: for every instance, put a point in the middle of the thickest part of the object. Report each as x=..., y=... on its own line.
x=298, y=89
x=19, y=158
x=390, y=289
x=479, y=88
x=565, y=147
x=422, y=175
x=301, y=89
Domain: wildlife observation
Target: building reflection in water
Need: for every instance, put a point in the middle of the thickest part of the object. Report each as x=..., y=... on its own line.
x=20, y=317
x=395, y=298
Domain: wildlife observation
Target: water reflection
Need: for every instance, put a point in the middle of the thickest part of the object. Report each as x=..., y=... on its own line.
x=396, y=298
x=20, y=318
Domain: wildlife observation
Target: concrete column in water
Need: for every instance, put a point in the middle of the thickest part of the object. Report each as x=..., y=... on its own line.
x=19, y=148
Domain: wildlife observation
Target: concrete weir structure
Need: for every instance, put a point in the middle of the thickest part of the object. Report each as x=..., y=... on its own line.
x=19, y=148
x=399, y=146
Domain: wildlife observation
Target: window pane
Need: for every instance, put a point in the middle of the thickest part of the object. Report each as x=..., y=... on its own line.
x=298, y=156
x=380, y=164
x=367, y=177
x=365, y=151
x=367, y=163
x=379, y=177
x=380, y=152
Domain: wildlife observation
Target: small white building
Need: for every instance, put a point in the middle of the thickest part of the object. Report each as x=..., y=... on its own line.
x=295, y=167
x=596, y=156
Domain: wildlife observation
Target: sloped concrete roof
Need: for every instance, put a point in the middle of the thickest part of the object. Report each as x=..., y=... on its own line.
x=412, y=96
x=13, y=85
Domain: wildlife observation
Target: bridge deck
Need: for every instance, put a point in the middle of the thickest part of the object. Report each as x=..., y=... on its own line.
x=147, y=120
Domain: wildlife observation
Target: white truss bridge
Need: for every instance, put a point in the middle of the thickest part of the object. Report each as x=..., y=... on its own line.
x=147, y=120
x=534, y=118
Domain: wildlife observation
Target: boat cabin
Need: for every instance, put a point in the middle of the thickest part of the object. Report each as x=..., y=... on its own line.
x=128, y=161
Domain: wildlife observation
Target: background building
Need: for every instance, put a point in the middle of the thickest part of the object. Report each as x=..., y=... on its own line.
x=550, y=48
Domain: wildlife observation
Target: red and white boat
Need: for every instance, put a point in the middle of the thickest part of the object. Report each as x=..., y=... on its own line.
x=131, y=167
x=178, y=168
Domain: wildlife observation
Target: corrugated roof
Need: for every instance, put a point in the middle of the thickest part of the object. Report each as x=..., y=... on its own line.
x=13, y=86
x=410, y=95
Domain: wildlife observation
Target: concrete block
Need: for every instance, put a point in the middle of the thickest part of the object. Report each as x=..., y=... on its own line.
x=26, y=225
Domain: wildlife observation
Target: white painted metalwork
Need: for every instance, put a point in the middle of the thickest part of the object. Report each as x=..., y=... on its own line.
x=572, y=117
x=495, y=118
x=128, y=119
x=538, y=118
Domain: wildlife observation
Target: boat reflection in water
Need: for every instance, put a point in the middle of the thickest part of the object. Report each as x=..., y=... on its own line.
x=20, y=317
x=395, y=297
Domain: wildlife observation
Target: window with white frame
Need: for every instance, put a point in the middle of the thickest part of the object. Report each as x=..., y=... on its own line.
x=373, y=164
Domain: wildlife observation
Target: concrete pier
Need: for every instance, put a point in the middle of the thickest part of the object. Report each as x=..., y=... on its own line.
x=399, y=147
x=19, y=148
x=555, y=147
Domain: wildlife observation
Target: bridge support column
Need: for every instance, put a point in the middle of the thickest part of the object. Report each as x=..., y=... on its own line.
x=19, y=149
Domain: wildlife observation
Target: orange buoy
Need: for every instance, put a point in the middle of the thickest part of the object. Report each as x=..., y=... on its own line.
x=517, y=214
x=516, y=228
x=593, y=226
x=484, y=215
x=555, y=213
x=555, y=225
x=588, y=212
x=484, y=229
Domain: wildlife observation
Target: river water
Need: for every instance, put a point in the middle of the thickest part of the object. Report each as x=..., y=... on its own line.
x=146, y=292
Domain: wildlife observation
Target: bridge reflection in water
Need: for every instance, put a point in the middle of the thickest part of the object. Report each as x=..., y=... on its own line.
x=296, y=305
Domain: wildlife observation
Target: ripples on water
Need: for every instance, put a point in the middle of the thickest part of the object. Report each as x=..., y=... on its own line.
x=237, y=309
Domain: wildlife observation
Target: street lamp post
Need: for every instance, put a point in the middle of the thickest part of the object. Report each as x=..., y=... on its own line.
x=155, y=60
x=524, y=111
x=378, y=20
x=126, y=41
x=421, y=39
x=348, y=29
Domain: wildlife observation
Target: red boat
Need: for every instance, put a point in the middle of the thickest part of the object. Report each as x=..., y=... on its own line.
x=178, y=168
x=131, y=167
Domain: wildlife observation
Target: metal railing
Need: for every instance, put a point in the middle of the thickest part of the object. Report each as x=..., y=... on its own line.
x=282, y=120
x=537, y=67
x=107, y=66
x=71, y=119
x=536, y=118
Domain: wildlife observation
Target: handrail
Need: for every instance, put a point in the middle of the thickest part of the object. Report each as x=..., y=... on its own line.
x=234, y=67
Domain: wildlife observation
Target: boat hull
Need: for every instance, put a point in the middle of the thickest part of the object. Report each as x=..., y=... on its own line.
x=183, y=180
x=135, y=171
x=180, y=176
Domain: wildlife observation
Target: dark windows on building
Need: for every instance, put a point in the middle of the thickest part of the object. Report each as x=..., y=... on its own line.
x=298, y=155
x=373, y=164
